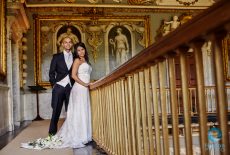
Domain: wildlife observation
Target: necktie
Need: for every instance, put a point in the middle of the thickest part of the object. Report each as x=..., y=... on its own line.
x=69, y=60
x=69, y=57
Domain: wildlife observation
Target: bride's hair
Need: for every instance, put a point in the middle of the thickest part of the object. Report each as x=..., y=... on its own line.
x=81, y=44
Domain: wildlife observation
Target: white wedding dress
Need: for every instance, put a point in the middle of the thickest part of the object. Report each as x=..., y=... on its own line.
x=76, y=129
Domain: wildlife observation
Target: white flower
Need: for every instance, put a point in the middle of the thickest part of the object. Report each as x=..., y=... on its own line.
x=43, y=143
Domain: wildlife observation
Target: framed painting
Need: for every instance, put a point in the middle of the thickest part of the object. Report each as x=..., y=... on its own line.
x=3, y=40
x=110, y=40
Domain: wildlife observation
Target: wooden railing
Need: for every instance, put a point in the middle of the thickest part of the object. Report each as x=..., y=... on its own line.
x=130, y=106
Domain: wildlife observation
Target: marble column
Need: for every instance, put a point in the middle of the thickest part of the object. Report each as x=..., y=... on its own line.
x=17, y=24
x=16, y=84
x=9, y=73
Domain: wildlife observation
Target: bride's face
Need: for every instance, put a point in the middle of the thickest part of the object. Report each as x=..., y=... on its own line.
x=81, y=51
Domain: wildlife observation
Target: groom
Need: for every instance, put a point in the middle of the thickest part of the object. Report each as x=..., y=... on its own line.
x=61, y=81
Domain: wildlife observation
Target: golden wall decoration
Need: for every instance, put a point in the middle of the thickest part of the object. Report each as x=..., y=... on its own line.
x=2, y=40
x=187, y=3
x=69, y=1
x=226, y=56
x=138, y=2
x=82, y=10
x=95, y=32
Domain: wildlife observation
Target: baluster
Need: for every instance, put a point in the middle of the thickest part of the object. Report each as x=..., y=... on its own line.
x=116, y=102
x=220, y=90
x=110, y=121
x=120, y=117
x=201, y=95
x=100, y=117
x=132, y=113
x=107, y=116
x=162, y=79
x=186, y=103
x=143, y=112
x=125, y=121
x=114, y=120
x=154, y=84
x=138, y=117
x=149, y=109
x=174, y=106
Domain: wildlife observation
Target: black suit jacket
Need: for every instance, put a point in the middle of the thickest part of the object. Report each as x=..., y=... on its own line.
x=58, y=69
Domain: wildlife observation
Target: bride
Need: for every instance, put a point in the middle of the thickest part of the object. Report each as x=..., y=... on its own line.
x=76, y=130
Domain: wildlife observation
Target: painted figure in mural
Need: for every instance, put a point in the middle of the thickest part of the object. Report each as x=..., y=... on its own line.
x=76, y=130
x=63, y=35
x=120, y=46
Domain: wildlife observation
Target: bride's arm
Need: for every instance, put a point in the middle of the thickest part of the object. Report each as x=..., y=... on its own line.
x=75, y=68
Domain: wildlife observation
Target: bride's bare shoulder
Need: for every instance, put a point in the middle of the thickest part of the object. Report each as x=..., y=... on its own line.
x=77, y=61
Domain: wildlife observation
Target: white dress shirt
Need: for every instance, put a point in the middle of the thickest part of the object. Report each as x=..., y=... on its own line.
x=69, y=61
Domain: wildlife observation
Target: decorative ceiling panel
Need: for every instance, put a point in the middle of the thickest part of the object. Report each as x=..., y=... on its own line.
x=190, y=4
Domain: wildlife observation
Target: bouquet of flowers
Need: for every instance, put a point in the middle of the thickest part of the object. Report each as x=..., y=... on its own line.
x=43, y=143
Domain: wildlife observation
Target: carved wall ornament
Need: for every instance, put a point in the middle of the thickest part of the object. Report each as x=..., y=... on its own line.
x=187, y=2
x=69, y=1
x=185, y=17
x=23, y=57
x=94, y=40
x=93, y=1
x=83, y=10
x=117, y=1
x=138, y=2
x=141, y=31
x=169, y=26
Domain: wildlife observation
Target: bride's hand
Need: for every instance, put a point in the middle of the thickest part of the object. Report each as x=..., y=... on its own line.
x=91, y=83
x=87, y=84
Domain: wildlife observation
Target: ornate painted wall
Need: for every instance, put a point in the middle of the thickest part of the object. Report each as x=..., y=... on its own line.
x=101, y=37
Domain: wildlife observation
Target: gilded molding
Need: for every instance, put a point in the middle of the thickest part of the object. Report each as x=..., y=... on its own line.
x=2, y=40
x=138, y=2
x=226, y=56
x=84, y=10
x=69, y=1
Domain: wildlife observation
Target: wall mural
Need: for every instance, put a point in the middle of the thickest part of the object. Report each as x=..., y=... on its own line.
x=110, y=41
x=2, y=40
x=119, y=49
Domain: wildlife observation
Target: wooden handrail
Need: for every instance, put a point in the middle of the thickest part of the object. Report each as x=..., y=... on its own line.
x=209, y=20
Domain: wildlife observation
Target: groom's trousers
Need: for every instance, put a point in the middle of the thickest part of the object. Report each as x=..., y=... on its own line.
x=60, y=95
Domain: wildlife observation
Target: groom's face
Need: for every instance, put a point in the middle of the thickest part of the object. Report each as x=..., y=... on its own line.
x=67, y=44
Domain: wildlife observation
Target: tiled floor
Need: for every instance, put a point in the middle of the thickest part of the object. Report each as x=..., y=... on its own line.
x=90, y=149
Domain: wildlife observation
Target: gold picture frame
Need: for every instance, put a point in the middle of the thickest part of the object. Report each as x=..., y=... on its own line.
x=2, y=40
x=48, y=27
x=226, y=56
